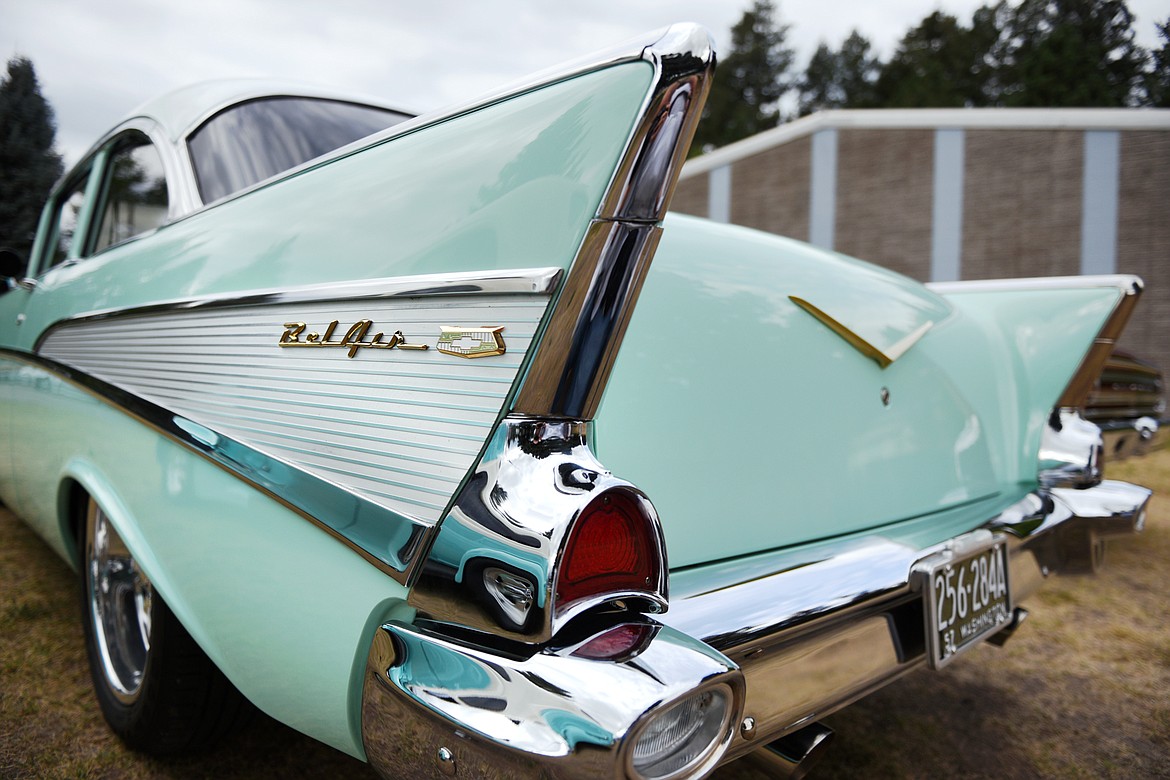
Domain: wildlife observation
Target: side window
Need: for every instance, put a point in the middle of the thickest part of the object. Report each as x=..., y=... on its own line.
x=134, y=193
x=253, y=141
x=69, y=207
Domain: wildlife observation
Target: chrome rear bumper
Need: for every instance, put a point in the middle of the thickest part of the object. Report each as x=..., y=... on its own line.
x=793, y=647
x=1134, y=438
x=814, y=639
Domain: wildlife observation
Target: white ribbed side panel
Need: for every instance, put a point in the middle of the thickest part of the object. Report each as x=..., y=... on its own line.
x=399, y=427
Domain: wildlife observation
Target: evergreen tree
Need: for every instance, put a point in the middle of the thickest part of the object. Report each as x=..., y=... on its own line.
x=1070, y=53
x=1157, y=79
x=942, y=63
x=841, y=79
x=29, y=165
x=748, y=82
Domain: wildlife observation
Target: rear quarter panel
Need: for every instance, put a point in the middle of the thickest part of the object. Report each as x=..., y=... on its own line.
x=284, y=609
x=753, y=427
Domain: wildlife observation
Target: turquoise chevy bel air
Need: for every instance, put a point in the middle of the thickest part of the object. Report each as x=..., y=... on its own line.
x=387, y=426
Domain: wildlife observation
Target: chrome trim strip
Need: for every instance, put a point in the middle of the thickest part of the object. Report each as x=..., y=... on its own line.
x=534, y=281
x=1127, y=283
x=850, y=615
x=572, y=363
x=177, y=176
x=392, y=542
x=557, y=711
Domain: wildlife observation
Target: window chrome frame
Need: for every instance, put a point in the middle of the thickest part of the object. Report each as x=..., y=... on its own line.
x=96, y=160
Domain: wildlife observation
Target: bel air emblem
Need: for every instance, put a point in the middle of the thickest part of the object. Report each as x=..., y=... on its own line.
x=479, y=342
x=471, y=342
x=353, y=340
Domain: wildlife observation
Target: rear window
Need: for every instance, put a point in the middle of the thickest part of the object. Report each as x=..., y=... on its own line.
x=253, y=141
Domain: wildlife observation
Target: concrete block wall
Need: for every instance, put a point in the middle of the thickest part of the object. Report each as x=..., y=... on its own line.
x=963, y=194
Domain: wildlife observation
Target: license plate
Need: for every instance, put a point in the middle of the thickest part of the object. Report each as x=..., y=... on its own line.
x=966, y=598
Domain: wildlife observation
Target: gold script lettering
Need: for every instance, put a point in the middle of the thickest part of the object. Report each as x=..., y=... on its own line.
x=291, y=331
x=354, y=340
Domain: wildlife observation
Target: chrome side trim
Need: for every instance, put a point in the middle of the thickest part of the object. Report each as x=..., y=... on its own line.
x=572, y=363
x=813, y=638
x=534, y=281
x=514, y=516
x=558, y=711
x=384, y=538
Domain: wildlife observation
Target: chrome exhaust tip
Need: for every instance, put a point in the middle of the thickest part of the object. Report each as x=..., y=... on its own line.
x=793, y=755
x=1001, y=637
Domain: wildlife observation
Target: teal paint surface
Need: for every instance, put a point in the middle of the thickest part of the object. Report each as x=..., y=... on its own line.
x=752, y=426
x=1014, y=352
x=512, y=185
x=285, y=610
x=281, y=607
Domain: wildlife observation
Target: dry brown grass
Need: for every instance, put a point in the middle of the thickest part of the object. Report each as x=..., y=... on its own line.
x=1083, y=690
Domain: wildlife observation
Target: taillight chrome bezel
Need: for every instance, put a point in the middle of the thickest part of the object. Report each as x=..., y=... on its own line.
x=648, y=596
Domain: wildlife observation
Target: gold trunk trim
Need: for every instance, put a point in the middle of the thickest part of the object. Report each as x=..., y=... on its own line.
x=883, y=358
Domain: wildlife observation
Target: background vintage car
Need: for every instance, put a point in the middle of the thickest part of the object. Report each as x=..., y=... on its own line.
x=352, y=434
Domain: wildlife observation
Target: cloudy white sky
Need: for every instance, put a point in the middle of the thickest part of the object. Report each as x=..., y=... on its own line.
x=97, y=61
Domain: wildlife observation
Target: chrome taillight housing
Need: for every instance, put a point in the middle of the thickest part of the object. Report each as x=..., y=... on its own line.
x=540, y=533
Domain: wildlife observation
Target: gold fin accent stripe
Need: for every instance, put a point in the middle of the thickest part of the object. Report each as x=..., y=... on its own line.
x=883, y=359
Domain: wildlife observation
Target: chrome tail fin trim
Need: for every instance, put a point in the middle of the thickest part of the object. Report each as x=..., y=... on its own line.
x=572, y=363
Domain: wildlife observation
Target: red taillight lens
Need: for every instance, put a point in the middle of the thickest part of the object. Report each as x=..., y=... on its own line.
x=610, y=549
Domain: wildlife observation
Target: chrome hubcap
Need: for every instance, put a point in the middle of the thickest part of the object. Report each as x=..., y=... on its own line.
x=119, y=600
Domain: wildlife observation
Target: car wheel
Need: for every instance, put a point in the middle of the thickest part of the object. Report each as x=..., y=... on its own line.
x=157, y=689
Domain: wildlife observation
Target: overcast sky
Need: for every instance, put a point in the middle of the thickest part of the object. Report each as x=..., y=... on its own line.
x=97, y=61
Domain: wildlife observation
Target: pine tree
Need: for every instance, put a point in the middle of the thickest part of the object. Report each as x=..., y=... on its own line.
x=942, y=63
x=1157, y=80
x=748, y=82
x=1070, y=53
x=840, y=79
x=29, y=165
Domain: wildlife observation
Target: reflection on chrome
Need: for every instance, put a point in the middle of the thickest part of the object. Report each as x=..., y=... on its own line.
x=1071, y=451
x=556, y=705
x=493, y=564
